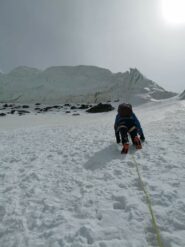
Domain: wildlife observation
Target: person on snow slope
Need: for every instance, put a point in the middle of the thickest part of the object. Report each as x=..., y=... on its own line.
x=126, y=123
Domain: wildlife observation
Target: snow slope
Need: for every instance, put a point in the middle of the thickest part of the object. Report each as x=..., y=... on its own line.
x=182, y=95
x=64, y=183
x=64, y=84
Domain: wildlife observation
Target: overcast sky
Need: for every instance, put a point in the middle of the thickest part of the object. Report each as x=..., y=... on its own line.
x=114, y=34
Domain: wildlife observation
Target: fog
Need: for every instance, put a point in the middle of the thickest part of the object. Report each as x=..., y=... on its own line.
x=114, y=34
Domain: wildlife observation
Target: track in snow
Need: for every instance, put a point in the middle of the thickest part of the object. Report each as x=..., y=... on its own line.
x=68, y=185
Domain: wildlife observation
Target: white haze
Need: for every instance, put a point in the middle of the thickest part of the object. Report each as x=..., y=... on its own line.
x=112, y=34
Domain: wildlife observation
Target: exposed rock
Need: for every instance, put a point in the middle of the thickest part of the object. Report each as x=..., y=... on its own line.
x=57, y=106
x=73, y=107
x=38, y=109
x=83, y=107
x=8, y=105
x=22, y=112
x=25, y=106
x=76, y=114
x=12, y=111
x=100, y=108
x=2, y=114
x=47, y=108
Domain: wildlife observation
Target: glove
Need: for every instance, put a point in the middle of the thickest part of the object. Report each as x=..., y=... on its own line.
x=142, y=137
x=125, y=148
x=137, y=142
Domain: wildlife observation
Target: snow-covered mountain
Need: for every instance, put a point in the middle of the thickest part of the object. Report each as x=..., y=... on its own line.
x=182, y=95
x=88, y=84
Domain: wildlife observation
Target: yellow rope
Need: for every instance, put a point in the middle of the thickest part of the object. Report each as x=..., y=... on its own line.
x=149, y=204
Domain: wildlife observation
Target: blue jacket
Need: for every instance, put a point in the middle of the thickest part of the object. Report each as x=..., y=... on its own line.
x=136, y=121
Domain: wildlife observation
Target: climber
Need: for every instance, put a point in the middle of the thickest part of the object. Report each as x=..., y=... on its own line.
x=126, y=123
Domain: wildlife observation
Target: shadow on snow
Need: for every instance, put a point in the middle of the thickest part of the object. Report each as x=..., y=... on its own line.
x=101, y=158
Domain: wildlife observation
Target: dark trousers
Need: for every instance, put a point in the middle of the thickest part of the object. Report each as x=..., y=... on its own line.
x=123, y=129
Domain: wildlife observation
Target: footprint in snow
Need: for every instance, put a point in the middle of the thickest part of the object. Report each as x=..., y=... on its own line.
x=120, y=202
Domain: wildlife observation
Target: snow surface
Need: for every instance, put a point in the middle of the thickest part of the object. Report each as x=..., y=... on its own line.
x=64, y=183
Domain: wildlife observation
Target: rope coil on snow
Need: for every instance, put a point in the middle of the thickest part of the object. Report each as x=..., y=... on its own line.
x=149, y=204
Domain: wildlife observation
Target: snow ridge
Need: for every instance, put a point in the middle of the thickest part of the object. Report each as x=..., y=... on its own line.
x=182, y=95
x=78, y=84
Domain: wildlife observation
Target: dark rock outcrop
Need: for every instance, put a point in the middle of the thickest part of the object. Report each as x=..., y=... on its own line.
x=22, y=112
x=73, y=107
x=83, y=107
x=100, y=108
